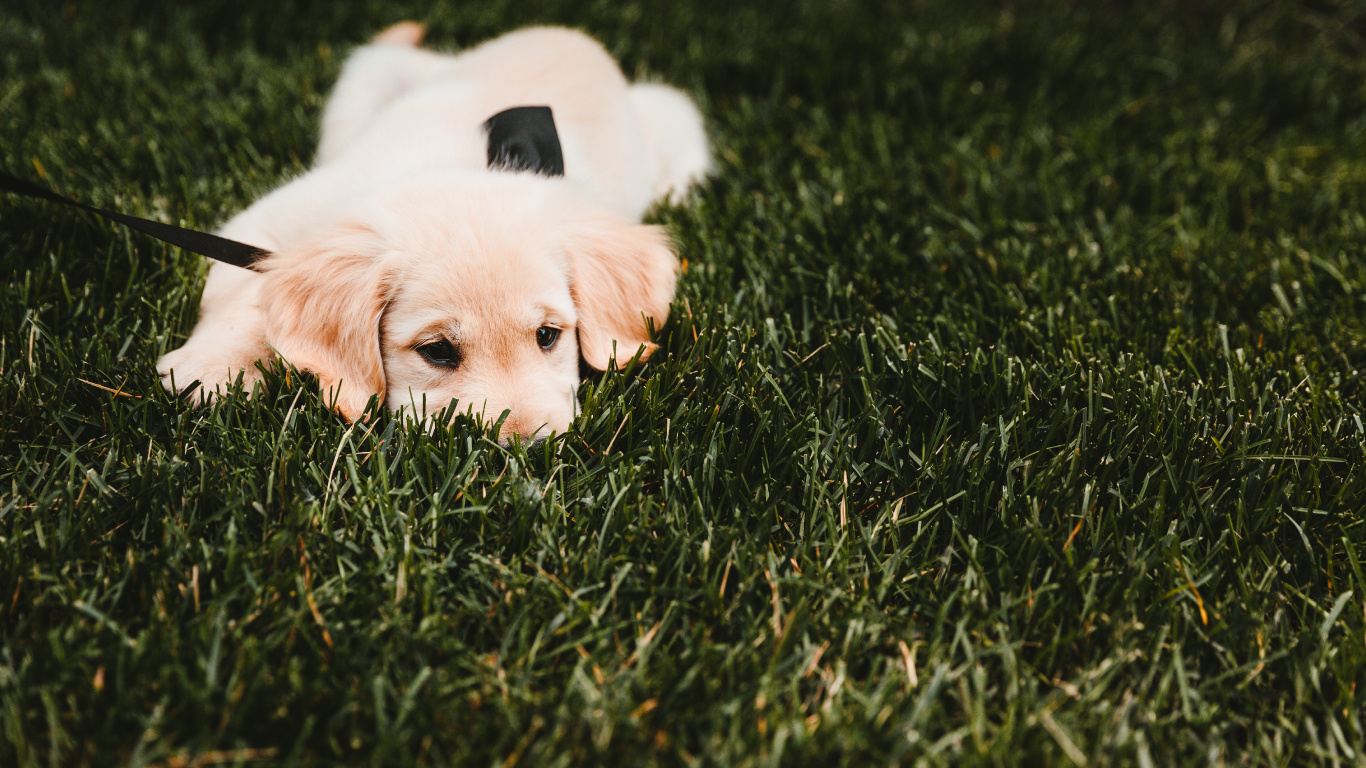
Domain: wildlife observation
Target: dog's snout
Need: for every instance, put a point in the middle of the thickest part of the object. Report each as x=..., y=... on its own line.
x=530, y=429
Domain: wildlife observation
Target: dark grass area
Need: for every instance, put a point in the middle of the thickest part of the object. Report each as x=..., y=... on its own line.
x=1010, y=411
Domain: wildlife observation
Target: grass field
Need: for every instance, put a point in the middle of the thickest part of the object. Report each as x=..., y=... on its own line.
x=1009, y=412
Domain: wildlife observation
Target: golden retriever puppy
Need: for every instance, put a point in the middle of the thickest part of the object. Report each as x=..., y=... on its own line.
x=404, y=267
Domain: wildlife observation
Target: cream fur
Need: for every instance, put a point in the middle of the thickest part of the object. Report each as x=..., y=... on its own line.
x=399, y=236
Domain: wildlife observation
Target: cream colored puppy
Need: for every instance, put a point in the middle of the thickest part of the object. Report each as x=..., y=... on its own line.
x=405, y=268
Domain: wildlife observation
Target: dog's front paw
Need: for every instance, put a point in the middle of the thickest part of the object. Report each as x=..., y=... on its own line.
x=216, y=370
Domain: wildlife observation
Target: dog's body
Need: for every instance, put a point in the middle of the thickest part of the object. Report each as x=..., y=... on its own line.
x=400, y=240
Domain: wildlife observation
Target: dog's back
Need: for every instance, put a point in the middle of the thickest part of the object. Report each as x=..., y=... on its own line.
x=400, y=109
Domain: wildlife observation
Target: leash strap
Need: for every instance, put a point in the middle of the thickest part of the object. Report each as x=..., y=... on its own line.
x=212, y=246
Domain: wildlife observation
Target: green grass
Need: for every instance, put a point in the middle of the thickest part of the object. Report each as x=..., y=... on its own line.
x=1021, y=345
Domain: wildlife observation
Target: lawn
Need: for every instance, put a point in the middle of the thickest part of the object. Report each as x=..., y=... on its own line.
x=1009, y=412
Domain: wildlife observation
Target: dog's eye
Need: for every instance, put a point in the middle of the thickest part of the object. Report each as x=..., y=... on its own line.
x=440, y=353
x=546, y=336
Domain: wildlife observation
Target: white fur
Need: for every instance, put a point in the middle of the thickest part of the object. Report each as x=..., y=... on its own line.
x=400, y=173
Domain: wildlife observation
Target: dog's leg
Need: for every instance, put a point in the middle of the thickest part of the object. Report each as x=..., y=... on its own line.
x=409, y=33
x=373, y=77
x=227, y=341
x=676, y=135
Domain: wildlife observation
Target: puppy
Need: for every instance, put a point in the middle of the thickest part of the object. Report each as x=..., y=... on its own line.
x=404, y=267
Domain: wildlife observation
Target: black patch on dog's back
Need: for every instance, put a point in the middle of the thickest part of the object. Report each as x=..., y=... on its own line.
x=524, y=139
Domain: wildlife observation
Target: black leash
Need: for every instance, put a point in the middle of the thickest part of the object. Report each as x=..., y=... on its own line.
x=202, y=243
x=520, y=139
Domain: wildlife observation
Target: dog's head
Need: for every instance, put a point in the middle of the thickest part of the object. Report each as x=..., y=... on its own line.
x=485, y=290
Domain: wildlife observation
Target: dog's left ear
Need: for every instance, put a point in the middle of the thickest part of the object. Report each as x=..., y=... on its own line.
x=620, y=275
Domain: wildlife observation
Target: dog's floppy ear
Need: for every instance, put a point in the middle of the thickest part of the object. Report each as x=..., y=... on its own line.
x=620, y=274
x=322, y=305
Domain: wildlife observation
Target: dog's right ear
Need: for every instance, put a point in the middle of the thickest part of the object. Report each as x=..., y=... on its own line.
x=621, y=274
x=322, y=305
